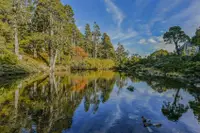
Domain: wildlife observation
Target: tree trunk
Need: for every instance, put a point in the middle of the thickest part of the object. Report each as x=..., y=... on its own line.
x=177, y=48
x=35, y=52
x=95, y=50
x=16, y=41
x=176, y=97
x=53, y=57
x=52, y=51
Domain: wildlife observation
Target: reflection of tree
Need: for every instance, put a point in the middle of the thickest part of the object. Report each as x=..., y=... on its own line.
x=195, y=105
x=173, y=111
x=48, y=104
x=161, y=84
x=130, y=88
x=121, y=81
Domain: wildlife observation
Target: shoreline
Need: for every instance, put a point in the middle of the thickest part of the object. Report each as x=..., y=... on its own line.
x=189, y=78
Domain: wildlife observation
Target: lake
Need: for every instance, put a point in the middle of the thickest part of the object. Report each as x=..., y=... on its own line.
x=97, y=102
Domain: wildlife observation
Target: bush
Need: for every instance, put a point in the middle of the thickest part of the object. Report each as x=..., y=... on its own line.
x=7, y=57
x=196, y=58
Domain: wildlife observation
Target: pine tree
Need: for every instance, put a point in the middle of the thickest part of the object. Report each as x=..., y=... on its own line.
x=107, y=50
x=96, y=34
x=88, y=40
x=121, y=55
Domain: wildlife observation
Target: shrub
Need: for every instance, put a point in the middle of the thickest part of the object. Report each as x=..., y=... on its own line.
x=7, y=57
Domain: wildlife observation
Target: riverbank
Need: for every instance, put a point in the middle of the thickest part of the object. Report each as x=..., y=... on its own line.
x=153, y=73
x=182, y=68
x=11, y=65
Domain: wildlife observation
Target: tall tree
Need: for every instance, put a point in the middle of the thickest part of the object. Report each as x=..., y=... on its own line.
x=51, y=16
x=19, y=20
x=96, y=37
x=107, y=50
x=88, y=40
x=175, y=36
x=121, y=55
x=88, y=33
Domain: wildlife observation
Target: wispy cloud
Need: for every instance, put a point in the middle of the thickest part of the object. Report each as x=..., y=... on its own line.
x=188, y=18
x=122, y=36
x=142, y=41
x=116, y=12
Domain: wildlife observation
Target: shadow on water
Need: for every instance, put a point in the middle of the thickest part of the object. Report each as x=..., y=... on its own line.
x=96, y=102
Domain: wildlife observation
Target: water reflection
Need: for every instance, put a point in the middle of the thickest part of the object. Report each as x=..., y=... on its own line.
x=96, y=102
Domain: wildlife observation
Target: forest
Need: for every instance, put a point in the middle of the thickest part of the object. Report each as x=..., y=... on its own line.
x=41, y=35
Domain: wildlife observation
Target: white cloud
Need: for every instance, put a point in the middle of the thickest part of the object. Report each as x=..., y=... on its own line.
x=142, y=41
x=117, y=14
x=151, y=40
x=188, y=18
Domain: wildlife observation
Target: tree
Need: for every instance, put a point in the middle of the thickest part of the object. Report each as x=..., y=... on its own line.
x=176, y=36
x=121, y=55
x=20, y=20
x=173, y=111
x=159, y=53
x=107, y=50
x=87, y=45
x=196, y=38
x=51, y=17
x=96, y=36
x=88, y=33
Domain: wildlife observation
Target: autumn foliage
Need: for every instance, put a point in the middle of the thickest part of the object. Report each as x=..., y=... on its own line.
x=79, y=53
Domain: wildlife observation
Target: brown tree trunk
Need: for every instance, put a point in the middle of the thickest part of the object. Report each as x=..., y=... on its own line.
x=52, y=52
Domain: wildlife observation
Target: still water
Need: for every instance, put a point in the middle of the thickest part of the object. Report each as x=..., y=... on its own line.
x=97, y=102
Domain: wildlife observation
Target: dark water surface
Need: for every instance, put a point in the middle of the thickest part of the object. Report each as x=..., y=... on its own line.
x=97, y=102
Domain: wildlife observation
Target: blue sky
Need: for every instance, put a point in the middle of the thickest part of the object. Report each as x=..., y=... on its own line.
x=138, y=24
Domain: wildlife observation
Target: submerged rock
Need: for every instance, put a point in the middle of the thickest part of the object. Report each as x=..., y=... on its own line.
x=197, y=85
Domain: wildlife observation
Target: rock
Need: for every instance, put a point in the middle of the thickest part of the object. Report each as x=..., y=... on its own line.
x=197, y=85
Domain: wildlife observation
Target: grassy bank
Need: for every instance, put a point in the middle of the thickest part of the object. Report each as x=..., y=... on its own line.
x=11, y=65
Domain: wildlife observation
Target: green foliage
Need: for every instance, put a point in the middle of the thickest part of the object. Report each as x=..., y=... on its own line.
x=96, y=38
x=106, y=50
x=196, y=38
x=121, y=56
x=6, y=57
x=159, y=53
